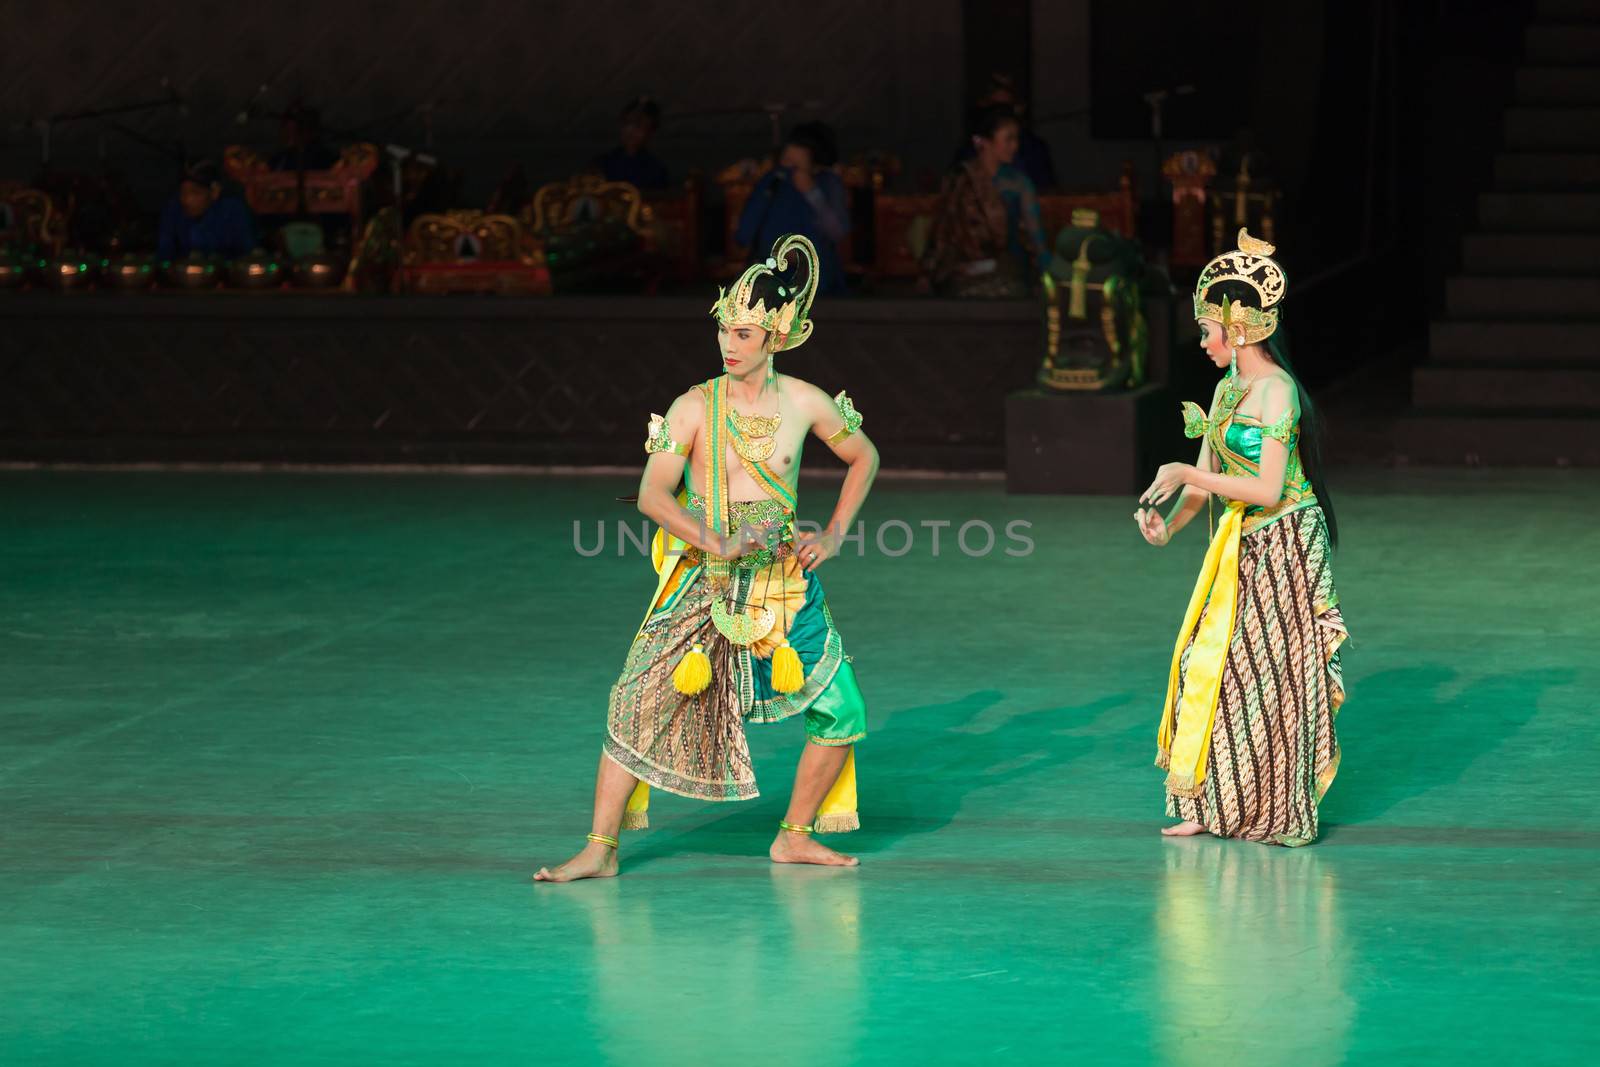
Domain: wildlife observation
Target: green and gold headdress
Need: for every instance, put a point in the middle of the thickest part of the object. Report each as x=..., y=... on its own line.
x=1251, y=263
x=790, y=316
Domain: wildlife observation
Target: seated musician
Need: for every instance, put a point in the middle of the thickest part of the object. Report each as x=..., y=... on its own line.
x=632, y=161
x=301, y=143
x=987, y=238
x=1033, y=153
x=801, y=194
x=201, y=219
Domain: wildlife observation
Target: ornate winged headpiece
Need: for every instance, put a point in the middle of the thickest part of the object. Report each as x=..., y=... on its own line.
x=789, y=318
x=1251, y=263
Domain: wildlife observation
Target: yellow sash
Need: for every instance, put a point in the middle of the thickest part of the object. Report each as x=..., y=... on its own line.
x=838, y=811
x=1215, y=597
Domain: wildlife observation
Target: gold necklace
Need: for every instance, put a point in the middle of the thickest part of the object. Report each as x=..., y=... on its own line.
x=755, y=440
x=1234, y=390
x=757, y=425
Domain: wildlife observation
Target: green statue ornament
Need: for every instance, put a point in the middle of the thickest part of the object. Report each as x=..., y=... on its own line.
x=1098, y=341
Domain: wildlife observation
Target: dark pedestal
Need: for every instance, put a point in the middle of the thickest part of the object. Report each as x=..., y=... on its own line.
x=1090, y=442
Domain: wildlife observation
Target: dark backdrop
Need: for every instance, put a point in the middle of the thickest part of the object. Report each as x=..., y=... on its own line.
x=488, y=82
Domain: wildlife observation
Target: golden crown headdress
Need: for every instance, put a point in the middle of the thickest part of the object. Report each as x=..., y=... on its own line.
x=789, y=318
x=1251, y=263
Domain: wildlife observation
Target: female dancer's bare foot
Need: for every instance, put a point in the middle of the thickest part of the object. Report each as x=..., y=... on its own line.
x=803, y=848
x=1183, y=829
x=595, y=861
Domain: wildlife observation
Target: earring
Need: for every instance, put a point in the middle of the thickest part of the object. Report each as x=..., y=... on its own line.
x=772, y=374
x=1233, y=362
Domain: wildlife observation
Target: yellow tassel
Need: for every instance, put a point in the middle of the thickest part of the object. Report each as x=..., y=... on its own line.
x=787, y=674
x=1077, y=306
x=693, y=672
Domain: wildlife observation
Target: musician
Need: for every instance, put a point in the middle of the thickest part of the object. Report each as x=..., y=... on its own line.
x=801, y=194
x=201, y=219
x=632, y=161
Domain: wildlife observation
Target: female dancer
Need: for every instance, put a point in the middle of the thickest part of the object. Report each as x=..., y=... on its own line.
x=1247, y=735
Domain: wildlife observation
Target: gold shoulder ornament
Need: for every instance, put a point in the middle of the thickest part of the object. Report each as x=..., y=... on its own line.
x=852, y=418
x=659, y=438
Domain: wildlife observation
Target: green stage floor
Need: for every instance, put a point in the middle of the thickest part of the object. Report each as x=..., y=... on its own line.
x=280, y=752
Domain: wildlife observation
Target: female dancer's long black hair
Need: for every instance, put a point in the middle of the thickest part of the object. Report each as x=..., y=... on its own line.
x=1277, y=347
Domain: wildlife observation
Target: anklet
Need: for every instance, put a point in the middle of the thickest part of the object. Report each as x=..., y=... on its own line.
x=602, y=839
x=793, y=829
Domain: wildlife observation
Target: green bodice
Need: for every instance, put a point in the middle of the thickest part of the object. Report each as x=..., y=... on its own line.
x=1244, y=439
x=1236, y=442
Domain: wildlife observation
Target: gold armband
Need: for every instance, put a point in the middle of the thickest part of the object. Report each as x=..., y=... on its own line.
x=1283, y=430
x=659, y=438
x=852, y=419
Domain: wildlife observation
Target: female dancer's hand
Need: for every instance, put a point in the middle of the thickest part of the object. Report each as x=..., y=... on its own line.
x=1153, y=526
x=1169, y=479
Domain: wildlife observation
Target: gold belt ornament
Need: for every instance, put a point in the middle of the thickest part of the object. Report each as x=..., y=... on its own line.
x=741, y=627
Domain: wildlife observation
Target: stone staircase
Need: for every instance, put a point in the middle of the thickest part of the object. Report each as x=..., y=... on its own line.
x=1513, y=371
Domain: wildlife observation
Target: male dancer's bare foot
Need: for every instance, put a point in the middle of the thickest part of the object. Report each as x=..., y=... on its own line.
x=595, y=861
x=1186, y=828
x=803, y=848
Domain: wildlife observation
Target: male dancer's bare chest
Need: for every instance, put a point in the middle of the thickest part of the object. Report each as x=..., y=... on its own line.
x=774, y=439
